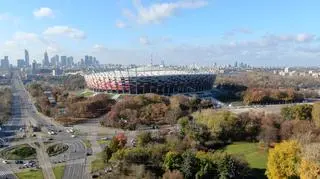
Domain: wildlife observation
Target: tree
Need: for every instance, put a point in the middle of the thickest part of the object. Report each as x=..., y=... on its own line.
x=107, y=154
x=122, y=139
x=316, y=113
x=220, y=123
x=114, y=144
x=189, y=166
x=144, y=138
x=137, y=155
x=207, y=165
x=310, y=162
x=231, y=166
x=283, y=160
x=298, y=112
x=172, y=161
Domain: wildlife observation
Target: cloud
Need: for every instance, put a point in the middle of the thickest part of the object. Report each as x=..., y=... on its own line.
x=299, y=38
x=304, y=37
x=144, y=40
x=236, y=31
x=43, y=12
x=65, y=31
x=158, y=12
x=121, y=24
x=99, y=48
x=21, y=36
x=309, y=49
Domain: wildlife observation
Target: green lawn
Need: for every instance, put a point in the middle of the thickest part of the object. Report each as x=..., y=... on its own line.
x=19, y=152
x=34, y=174
x=97, y=164
x=58, y=171
x=256, y=157
x=103, y=142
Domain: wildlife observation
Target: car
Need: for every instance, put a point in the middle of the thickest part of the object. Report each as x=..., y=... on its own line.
x=5, y=162
x=73, y=136
x=19, y=162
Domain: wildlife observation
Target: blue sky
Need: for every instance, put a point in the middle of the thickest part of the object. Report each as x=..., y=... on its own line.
x=176, y=31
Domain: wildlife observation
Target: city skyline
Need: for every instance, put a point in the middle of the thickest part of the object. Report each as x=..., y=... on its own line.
x=193, y=32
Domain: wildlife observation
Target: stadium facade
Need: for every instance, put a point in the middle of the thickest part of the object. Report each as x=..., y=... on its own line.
x=160, y=81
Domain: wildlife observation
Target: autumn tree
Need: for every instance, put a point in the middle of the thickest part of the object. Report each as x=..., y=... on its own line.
x=310, y=162
x=316, y=113
x=283, y=160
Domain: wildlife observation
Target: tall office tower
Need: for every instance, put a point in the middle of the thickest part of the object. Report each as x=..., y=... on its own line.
x=34, y=66
x=86, y=60
x=26, y=58
x=46, y=62
x=57, y=59
x=53, y=61
x=20, y=63
x=90, y=60
x=5, y=63
x=81, y=62
x=70, y=61
x=63, y=60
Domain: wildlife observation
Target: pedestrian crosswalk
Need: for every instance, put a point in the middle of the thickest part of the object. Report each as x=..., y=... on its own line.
x=6, y=174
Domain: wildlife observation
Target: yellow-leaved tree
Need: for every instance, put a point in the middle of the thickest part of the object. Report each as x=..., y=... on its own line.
x=283, y=160
x=310, y=162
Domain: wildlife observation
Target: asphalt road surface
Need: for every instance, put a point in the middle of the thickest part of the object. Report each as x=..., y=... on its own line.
x=11, y=128
x=76, y=155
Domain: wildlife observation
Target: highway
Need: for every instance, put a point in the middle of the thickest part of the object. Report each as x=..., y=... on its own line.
x=24, y=113
x=11, y=128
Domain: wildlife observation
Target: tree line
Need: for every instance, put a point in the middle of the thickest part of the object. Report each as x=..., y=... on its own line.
x=151, y=109
x=5, y=104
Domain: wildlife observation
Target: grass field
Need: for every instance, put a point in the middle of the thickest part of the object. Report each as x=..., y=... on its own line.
x=34, y=174
x=256, y=157
x=103, y=142
x=97, y=164
x=58, y=171
x=19, y=152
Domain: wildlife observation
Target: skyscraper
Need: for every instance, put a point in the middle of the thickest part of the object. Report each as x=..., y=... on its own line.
x=20, y=63
x=5, y=63
x=46, y=62
x=63, y=60
x=70, y=61
x=26, y=58
x=34, y=66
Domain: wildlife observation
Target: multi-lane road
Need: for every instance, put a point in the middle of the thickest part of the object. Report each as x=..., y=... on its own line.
x=24, y=114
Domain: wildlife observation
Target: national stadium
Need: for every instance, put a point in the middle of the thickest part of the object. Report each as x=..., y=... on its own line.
x=160, y=80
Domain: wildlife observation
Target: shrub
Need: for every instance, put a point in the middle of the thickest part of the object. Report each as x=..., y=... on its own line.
x=172, y=161
x=144, y=138
x=283, y=160
x=137, y=155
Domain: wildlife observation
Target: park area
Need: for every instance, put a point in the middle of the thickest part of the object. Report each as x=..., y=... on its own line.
x=255, y=155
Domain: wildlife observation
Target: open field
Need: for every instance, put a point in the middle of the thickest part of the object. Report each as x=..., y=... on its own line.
x=256, y=157
x=58, y=171
x=34, y=174
x=97, y=164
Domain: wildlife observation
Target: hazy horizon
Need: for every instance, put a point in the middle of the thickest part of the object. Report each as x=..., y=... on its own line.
x=271, y=33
